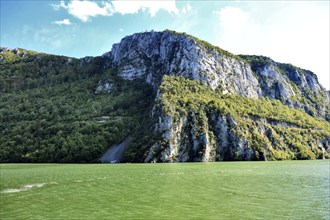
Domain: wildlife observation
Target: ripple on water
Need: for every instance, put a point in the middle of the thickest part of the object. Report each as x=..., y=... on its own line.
x=24, y=188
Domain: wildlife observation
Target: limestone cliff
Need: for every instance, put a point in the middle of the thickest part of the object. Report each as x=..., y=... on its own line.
x=151, y=55
x=210, y=127
x=199, y=134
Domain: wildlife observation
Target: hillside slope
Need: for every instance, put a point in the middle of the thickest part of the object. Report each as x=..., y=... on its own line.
x=196, y=123
x=60, y=109
x=179, y=98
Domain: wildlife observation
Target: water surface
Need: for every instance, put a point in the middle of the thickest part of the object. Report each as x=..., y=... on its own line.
x=227, y=190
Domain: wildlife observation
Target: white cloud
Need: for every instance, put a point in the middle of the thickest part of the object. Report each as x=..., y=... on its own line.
x=186, y=9
x=231, y=16
x=57, y=7
x=85, y=9
x=296, y=32
x=132, y=7
x=62, y=22
x=234, y=22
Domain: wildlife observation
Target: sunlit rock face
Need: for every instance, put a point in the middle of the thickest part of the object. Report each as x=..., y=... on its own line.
x=154, y=54
x=151, y=55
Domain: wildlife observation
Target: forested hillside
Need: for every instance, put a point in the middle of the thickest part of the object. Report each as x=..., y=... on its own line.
x=178, y=98
x=58, y=109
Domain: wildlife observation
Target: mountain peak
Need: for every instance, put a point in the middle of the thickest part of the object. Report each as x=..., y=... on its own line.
x=151, y=55
x=178, y=97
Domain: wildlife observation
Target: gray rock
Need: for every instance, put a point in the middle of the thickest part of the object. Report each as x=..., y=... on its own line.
x=154, y=54
x=103, y=87
x=150, y=55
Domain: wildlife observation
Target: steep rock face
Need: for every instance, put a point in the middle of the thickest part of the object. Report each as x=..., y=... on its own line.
x=154, y=54
x=187, y=139
x=303, y=78
x=274, y=84
x=197, y=131
x=151, y=55
x=190, y=126
x=295, y=87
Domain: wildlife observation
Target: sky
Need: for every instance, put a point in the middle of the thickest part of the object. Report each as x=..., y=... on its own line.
x=295, y=32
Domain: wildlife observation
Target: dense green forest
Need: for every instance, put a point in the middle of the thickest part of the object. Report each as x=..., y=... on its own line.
x=50, y=110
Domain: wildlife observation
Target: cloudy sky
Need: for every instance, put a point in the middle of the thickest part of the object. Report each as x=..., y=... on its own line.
x=295, y=32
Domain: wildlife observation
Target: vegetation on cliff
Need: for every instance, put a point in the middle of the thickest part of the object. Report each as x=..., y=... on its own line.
x=61, y=109
x=272, y=130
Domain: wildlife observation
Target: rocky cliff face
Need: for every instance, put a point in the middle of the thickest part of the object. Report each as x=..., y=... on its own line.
x=221, y=138
x=154, y=54
x=187, y=140
x=195, y=129
x=151, y=55
x=206, y=136
x=294, y=86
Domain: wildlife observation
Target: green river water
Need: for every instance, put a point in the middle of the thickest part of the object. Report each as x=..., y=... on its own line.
x=224, y=190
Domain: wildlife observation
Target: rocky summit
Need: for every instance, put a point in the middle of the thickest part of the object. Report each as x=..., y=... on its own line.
x=152, y=55
x=162, y=97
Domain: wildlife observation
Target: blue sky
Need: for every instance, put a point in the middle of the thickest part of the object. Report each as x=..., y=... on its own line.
x=294, y=32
